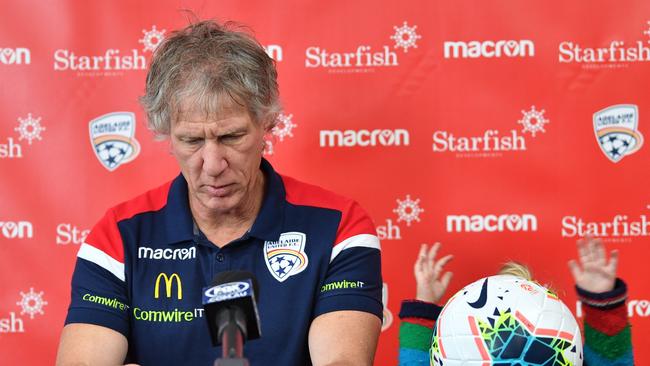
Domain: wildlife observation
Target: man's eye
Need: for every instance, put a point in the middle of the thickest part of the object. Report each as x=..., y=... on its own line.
x=191, y=141
x=230, y=138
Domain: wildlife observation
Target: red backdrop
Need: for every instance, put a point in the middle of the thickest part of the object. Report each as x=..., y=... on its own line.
x=482, y=125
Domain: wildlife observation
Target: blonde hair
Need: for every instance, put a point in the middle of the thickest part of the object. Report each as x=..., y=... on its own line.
x=516, y=269
x=521, y=270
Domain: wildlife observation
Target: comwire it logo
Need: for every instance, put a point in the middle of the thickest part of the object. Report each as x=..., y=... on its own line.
x=168, y=280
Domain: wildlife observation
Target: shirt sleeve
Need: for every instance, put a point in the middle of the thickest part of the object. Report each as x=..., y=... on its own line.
x=608, y=339
x=353, y=280
x=415, y=331
x=99, y=292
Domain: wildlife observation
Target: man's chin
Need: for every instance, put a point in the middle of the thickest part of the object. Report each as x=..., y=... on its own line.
x=219, y=204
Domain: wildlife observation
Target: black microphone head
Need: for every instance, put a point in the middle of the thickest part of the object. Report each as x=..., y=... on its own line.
x=232, y=291
x=236, y=276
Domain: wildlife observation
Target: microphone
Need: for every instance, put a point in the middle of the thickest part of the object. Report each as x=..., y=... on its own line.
x=231, y=312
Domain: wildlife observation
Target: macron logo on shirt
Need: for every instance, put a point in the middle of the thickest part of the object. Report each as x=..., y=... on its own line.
x=167, y=253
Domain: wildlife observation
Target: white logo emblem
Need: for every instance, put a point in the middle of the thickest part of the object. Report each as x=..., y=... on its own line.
x=283, y=128
x=286, y=257
x=533, y=121
x=405, y=37
x=408, y=210
x=31, y=303
x=152, y=39
x=29, y=128
x=113, y=139
x=616, y=131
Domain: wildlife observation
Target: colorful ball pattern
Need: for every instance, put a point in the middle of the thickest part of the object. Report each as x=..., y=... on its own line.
x=506, y=320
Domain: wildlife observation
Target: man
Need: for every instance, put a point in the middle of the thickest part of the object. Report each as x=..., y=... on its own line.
x=136, y=289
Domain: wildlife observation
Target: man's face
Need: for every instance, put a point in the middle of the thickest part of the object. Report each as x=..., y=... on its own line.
x=219, y=157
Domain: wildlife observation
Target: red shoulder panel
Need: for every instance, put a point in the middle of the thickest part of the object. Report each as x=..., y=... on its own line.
x=354, y=219
x=106, y=237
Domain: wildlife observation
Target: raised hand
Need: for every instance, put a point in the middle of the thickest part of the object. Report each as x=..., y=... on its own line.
x=594, y=272
x=430, y=285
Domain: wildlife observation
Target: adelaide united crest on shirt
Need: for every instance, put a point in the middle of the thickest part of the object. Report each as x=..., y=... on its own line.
x=286, y=257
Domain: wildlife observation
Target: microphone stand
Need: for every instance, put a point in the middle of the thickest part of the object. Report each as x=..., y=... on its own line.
x=232, y=332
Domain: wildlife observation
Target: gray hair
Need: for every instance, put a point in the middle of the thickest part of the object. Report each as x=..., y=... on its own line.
x=210, y=66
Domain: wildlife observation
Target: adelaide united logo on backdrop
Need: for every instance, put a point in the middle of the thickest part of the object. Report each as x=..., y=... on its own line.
x=112, y=137
x=616, y=129
x=286, y=257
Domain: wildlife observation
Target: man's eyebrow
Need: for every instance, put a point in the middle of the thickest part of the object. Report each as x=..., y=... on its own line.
x=233, y=131
x=187, y=131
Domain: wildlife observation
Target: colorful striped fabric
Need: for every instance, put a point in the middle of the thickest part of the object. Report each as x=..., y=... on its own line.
x=608, y=340
x=415, y=331
x=606, y=329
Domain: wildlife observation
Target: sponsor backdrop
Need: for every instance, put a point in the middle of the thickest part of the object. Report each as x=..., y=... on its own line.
x=503, y=129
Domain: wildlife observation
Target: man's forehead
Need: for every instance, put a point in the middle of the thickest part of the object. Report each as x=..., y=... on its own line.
x=220, y=119
x=221, y=108
x=215, y=126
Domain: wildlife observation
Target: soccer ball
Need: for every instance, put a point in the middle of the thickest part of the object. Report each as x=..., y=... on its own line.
x=506, y=320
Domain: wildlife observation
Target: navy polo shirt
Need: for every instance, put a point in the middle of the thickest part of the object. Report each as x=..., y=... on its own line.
x=142, y=268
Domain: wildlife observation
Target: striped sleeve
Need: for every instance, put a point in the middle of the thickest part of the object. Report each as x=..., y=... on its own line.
x=356, y=230
x=606, y=327
x=353, y=279
x=99, y=294
x=415, y=332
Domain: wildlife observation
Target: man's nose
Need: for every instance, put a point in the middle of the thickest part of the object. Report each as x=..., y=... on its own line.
x=214, y=158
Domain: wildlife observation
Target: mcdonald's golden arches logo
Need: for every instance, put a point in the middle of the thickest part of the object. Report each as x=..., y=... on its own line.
x=168, y=285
